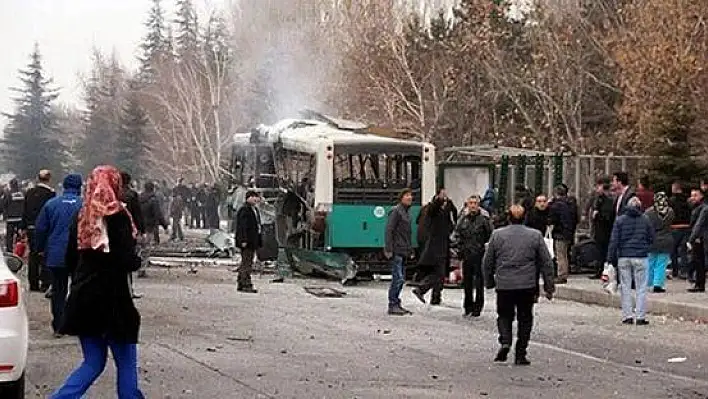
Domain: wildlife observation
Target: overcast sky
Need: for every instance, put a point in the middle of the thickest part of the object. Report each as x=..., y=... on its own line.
x=66, y=30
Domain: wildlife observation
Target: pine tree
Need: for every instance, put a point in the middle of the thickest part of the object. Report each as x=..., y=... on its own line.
x=131, y=138
x=674, y=157
x=187, y=37
x=215, y=43
x=32, y=133
x=154, y=46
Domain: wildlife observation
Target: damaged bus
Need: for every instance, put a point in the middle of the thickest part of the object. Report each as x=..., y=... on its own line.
x=337, y=182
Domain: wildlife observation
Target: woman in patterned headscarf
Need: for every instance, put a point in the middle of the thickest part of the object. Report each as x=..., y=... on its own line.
x=661, y=216
x=100, y=309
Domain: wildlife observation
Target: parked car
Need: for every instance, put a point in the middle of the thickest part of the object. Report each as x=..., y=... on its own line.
x=14, y=329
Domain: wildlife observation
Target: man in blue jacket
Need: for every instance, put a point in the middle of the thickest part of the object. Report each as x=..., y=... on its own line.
x=53, y=225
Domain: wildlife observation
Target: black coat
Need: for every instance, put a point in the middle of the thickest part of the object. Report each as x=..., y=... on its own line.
x=537, y=219
x=132, y=203
x=152, y=214
x=35, y=199
x=625, y=200
x=604, y=219
x=100, y=303
x=562, y=218
x=248, y=228
x=437, y=236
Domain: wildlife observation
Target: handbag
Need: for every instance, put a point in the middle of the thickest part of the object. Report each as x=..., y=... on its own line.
x=549, y=242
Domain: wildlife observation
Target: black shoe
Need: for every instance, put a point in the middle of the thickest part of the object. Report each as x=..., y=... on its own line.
x=628, y=321
x=436, y=302
x=278, y=280
x=659, y=290
x=503, y=354
x=521, y=360
x=398, y=311
x=696, y=289
x=642, y=322
x=472, y=314
x=418, y=295
x=247, y=290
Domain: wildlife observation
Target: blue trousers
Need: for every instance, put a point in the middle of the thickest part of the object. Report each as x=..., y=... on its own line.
x=398, y=279
x=95, y=353
x=656, y=270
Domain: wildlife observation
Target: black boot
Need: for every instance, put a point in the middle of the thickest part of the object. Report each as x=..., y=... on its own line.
x=503, y=354
x=520, y=358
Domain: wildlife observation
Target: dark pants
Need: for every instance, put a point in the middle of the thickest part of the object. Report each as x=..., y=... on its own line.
x=679, y=264
x=37, y=274
x=60, y=288
x=194, y=217
x=698, y=257
x=473, y=282
x=603, y=245
x=515, y=304
x=433, y=280
x=10, y=233
x=398, y=278
x=244, y=271
x=177, y=229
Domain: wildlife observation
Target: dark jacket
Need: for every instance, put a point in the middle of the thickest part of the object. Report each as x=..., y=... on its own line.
x=538, y=219
x=13, y=203
x=421, y=234
x=682, y=209
x=151, y=211
x=177, y=207
x=562, y=219
x=132, y=203
x=100, y=303
x=397, y=238
x=664, y=239
x=437, y=243
x=53, y=226
x=699, y=223
x=473, y=231
x=603, y=219
x=632, y=236
x=515, y=257
x=623, y=204
x=248, y=227
x=35, y=199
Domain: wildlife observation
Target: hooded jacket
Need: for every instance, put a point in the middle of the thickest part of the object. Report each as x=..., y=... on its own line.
x=632, y=236
x=54, y=222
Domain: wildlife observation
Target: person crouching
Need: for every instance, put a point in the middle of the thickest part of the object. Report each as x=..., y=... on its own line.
x=515, y=256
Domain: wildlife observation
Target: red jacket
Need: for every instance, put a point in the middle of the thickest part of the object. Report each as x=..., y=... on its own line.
x=647, y=198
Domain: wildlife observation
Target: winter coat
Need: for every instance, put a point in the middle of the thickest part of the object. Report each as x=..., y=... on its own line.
x=177, y=207
x=248, y=227
x=682, y=209
x=664, y=239
x=562, y=219
x=603, y=219
x=132, y=203
x=13, y=203
x=151, y=212
x=437, y=243
x=515, y=257
x=473, y=231
x=618, y=211
x=35, y=199
x=699, y=223
x=53, y=224
x=632, y=236
x=397, y=240
x=100, y=302
x=538, y=219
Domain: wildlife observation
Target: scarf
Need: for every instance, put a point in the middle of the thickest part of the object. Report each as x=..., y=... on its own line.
x=101, y=199
x=661, y=203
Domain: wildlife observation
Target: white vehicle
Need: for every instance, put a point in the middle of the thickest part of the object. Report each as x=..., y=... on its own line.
x=14, y=329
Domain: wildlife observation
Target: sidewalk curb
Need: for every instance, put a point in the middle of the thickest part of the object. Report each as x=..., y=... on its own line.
x=654, y=306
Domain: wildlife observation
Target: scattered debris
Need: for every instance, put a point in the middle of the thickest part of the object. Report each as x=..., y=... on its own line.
x=211, y=349
x=677, y=360
x=324, y=292
x=284, y=351
x=435, y=377
x=241, y=339
x=331, y=265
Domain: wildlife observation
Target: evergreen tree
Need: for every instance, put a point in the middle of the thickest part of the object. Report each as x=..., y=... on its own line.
x=187, y=37
x=154, y=46
x=32, y=133
x=131, y=138
x=674, y=157
x=216, y=41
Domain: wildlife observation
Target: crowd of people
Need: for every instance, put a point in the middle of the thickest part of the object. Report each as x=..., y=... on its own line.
x=637, y=232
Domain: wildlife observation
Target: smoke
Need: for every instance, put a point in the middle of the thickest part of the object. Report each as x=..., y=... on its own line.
x=287, y=59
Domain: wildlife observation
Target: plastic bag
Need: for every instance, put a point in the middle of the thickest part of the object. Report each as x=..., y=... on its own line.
x=549, y=243
x=609, y=278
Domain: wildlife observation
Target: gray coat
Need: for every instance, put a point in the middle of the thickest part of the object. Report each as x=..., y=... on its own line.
x=398, y=231
x=515, y=257
x=664, y=239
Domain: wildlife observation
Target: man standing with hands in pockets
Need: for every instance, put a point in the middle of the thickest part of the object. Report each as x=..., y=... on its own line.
x=397, y=247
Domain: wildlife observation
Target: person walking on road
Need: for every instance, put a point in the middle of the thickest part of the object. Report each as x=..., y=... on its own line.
x=35, y=199
x=52, y=232
x=249, y=238
x=514, y=258
x=397, y=248
x=100, y=311
x=473, y=231
x=433, y=259
x=661, y=217
x=632, y=236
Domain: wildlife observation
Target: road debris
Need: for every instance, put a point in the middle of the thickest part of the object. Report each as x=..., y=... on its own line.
x=324, y=292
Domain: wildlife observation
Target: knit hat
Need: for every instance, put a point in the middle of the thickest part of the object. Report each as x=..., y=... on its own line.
x=72, y=181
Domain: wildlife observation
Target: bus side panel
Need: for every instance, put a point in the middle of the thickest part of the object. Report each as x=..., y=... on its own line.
x=361, y=226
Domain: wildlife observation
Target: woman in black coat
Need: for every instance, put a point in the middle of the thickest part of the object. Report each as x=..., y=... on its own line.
x=100, y=311
x=433, y=259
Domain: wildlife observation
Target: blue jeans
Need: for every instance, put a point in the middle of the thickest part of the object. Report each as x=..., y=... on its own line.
x=637, y=268
x=398, y=278
x=95, y=353
x=656, y=268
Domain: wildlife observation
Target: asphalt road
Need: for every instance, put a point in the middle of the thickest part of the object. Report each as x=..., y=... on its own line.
x=202, y=339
